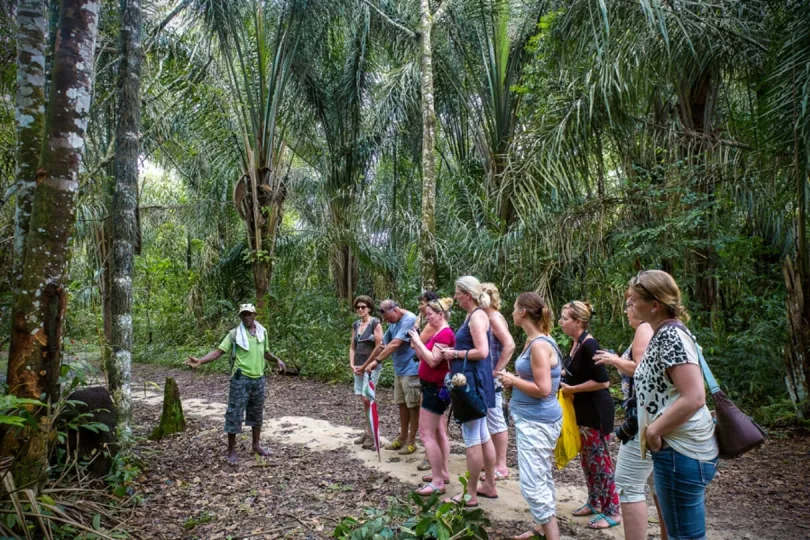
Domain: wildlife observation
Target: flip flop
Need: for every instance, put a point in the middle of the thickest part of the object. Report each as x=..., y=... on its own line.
x=592, y=511
x=531, y=535
x=456, y=500
x=429, y=478
x=433, y=490
x=498, y=476
x=610, y=521
x=484, y=495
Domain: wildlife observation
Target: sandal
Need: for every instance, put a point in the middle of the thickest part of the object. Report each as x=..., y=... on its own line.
x=429, y=478
x=407, y=450
x=590, y=511
x=498, y=476
x=396, y=444
x=599, y=517
x=424, y=466
x=431, y=490
x=484, y=495
x=457, y=500
x=529, y=535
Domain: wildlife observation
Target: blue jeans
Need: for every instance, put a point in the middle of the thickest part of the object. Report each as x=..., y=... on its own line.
x=680, y=483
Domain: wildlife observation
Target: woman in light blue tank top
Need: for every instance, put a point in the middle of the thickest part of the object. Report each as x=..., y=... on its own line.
x=536, y=411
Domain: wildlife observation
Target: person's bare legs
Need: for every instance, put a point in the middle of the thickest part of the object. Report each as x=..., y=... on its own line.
x=501, y=442
x=257, y=444
x=413, y=425
x=444, y=444
x=232, y=448
x=634, y=518
x=488, y=450
x=481, y=456
x=551, y=531
x=366, y=405
x=404, y=419
x=428, y=430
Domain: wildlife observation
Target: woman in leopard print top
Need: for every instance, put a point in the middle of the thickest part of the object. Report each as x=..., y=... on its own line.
x=674, y=423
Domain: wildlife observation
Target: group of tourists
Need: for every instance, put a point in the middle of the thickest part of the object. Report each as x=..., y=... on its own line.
x=667, y=437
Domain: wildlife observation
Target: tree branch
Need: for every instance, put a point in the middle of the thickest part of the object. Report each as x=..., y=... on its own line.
x=391, y=21
x=440, y=11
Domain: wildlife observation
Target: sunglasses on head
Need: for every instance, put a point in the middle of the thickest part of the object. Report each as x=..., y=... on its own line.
x=637, y=281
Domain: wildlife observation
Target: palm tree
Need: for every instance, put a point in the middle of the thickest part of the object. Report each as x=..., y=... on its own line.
x=257, y=44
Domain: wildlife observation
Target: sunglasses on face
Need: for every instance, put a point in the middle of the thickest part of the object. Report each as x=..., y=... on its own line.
x=360, y=306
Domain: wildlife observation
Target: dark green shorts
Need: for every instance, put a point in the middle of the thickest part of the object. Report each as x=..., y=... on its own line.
x=245, y=403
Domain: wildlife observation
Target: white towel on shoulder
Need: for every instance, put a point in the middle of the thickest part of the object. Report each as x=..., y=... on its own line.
x=242, y=335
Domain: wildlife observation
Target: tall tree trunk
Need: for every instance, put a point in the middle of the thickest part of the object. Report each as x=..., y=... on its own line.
x=427, y=231
x=38, y=312
x=696, y=109
x=32, y=42
x=124, y=219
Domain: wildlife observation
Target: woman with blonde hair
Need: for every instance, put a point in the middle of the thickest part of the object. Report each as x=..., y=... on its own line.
x=435, y=397
x=674, y=423
x=472, y=349
x=589, y=383
x=501, y=348
x=367, y=334
x=536, y=412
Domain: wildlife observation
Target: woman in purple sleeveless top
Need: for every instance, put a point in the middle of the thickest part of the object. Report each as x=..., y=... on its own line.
x=472, y=341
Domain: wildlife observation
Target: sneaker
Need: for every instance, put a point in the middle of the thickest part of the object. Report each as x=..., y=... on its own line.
x=396, y=444
x=424, y=466
x=361, y=439
x=408, y=449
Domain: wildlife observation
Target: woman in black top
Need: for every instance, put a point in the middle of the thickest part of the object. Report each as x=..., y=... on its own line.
x=588, y=383
x=367, y=335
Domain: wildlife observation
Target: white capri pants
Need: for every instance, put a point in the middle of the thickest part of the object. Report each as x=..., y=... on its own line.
x=633, y=473
x=535, y=450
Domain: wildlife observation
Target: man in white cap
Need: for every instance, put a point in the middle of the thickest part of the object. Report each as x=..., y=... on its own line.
x=248, y=348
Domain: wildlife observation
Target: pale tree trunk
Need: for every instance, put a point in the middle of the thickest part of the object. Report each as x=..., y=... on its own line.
x=38, y=311
x=32, y=42
x=124, y=219
x=427, y=230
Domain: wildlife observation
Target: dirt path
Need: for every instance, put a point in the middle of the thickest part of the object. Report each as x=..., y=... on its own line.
x=309, y=425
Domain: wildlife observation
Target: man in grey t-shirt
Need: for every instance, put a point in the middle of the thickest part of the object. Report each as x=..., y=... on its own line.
x=407, y=389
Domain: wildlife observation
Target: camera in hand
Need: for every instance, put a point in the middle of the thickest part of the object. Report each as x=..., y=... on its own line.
x=629, y=427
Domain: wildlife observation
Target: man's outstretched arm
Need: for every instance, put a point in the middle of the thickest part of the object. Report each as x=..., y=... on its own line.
x=193, y=362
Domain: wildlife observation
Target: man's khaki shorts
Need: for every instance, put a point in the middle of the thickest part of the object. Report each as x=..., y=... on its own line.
x=407, y=390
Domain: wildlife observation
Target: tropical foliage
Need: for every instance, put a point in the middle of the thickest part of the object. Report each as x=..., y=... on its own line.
x=576, y=143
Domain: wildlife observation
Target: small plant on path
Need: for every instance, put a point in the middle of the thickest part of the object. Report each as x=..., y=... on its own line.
x=423, y=518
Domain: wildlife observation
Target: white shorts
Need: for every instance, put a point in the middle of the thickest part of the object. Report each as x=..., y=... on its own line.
x=475, y=432
x=632, y=473
x=496, y=423
x=360, y=380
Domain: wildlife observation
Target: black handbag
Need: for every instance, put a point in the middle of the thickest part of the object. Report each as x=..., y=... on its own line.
x=468, y=404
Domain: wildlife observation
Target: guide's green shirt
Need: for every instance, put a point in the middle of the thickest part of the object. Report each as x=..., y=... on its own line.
x=251, y=362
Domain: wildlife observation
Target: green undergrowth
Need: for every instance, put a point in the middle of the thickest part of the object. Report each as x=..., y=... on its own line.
x=416, y=518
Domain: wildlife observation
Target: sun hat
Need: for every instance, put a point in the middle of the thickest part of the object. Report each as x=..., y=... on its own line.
x=246, y=307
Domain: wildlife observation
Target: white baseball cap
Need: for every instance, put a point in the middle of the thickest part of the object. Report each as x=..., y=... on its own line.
x=246, y=307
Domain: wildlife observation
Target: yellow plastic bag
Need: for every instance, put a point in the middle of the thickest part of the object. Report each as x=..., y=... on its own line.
x=569, y=444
